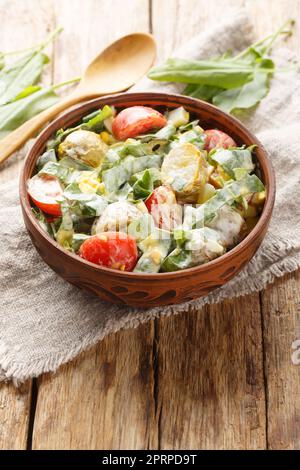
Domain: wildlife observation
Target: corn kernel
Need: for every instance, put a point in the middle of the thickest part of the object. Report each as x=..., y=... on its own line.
x=116, y=265
x=216, y=180
x=155, y=255
x=258, y=198
x=107, y=138
x=250, y=212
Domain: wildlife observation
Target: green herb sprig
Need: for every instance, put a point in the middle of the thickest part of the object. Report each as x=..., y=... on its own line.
x=21, y=97
x=230, y=82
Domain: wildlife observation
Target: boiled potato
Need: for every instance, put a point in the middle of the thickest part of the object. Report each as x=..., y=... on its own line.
x=116, y=217
x=85, y=146
x=229, y=224
x=204, y=245
x=185, y=170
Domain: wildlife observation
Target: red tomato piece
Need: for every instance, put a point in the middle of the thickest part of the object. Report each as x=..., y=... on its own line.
x=217, y=139
x=136, y=120
x=44, y=191
x=163, y=207
x=114, y=250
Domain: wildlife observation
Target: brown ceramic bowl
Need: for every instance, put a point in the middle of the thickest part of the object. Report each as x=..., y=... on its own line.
x=148, y=290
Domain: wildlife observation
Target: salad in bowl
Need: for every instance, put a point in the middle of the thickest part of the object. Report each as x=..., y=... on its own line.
x=146, y=191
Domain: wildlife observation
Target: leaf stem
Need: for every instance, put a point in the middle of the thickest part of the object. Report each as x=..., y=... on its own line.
x=50, y=38
x=67, y=82
x=289, y=23
x=271, y=37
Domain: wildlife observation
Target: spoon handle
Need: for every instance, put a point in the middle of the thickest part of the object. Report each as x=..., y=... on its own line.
x=17, y=138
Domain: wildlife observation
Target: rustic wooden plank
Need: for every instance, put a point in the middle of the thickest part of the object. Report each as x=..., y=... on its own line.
x=210, y=378
x=176, y=21
x=90, y=28
x=281, y=300
x=268, y=15
x=281, y=313
x=14, y=416
x=22, y=25
x=104, y=399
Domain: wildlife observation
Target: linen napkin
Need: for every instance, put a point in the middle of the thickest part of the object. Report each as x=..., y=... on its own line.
x=45, y=322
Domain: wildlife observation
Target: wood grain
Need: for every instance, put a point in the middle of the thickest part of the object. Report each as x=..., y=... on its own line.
x=210, y=378
x=91, y=27
x=23, y=24
x=281, y=314
x=104, y=400
x=14, y=416
x=176, y=21
x=281, y=300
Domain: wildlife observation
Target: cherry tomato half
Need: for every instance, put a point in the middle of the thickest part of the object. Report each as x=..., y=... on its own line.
x=135, y=121
x=217, y=139
x=114, y=250
x=163, y=207
x=44, y=191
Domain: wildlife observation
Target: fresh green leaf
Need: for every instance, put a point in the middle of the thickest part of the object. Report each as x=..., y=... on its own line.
x=53, y=168
x=43, y=221
x=155, y=248
x=244, y=97
x=178, y=259
x=193, y=136
x=66, y=170
x=84, y=204
x=93, y=123
x=202, y=92
x=27, y=91
x=235, y=162
x=116, y=176
x=48, y=156
x=16, y=77
x=78, y=239
x=71, y=163
x=12, y=115
x=162, y=136
x=224, y=74
x=229, y=82
x=125, y=192
x=144, y=183
x=64, y=235
x=231, y=192
x=148, y=145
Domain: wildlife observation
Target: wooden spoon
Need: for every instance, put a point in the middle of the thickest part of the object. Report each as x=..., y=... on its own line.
x=115, y=69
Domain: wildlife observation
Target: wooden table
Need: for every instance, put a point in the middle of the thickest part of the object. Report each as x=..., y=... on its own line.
x=217, y=378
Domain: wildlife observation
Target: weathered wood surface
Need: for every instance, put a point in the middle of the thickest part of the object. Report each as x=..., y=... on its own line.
x=281, y=316
x=219, y=378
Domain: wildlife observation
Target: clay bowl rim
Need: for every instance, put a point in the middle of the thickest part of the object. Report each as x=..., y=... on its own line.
x=58, y=123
